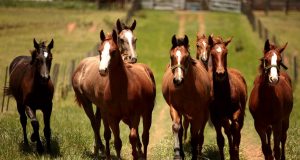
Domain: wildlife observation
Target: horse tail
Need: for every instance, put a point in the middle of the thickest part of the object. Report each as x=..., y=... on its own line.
x=77, y=100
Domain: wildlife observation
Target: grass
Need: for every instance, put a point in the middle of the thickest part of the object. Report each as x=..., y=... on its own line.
x=71, y=130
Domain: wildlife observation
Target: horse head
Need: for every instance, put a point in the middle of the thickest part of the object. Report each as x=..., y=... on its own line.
x=41, y=58
x=202, y=48
x=271, y=62
x=127, y=41
x=180, y=59
x=109, y=51
x=218, y=52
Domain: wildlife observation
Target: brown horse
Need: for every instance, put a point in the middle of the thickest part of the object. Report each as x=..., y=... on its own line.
x=32, y=88
x=186, y=89
x=127, y=41
x=271, y=102
x=229, y=98
x=202, y=54
x=87, y=84
x=129, y=99
x=203, y=50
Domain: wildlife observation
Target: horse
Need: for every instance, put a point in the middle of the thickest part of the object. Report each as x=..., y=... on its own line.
x=203, y=50
x=127, y=41
x=202, y=54
x=186, y=89
x=227, y=108
x=32, y=88
x=271, y=101
x=129, y=100
x=88, y=88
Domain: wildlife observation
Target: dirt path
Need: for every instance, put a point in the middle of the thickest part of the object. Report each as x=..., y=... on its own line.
x=182, y=18
x=250, y=144
x=201, y=29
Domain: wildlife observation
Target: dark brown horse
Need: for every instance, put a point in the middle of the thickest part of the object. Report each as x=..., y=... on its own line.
x=229, y=98
x=271, y=102
x=127, y=41
x=186, y=89
x=129, y=93
x=32, y=88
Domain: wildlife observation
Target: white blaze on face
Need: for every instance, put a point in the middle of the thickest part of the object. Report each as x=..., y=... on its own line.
x=273, y=72
x=105, y=57
x=178, y=55
x=219, y=49
x=45, y=54
x=204, y=54
x=129, y=36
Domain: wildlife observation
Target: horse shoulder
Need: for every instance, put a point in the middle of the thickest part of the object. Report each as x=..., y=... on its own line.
x=237, y=84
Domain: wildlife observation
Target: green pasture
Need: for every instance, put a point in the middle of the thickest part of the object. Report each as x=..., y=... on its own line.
x=72, y=136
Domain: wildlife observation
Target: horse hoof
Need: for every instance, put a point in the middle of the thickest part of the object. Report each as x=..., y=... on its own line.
x=40, y=148
x=33, y=138
x=177, y=157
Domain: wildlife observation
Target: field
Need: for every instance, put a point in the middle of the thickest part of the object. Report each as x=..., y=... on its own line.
x=72, y=135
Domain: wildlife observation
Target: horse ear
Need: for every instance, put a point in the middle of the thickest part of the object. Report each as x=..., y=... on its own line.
x=119, y=26
x=102, y=35
x=281, y=49
x=51, y=44
x=186, y=40
x=267, y=46
x=115, y=36
x=174, y=40
x=210, y=40
x=36, y=45
x=133, y=25
x=228, y=41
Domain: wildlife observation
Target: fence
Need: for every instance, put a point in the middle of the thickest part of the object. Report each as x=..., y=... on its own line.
x=289, y=58
x=225, y=5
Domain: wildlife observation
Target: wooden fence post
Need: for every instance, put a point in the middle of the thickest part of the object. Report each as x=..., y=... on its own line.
x=259, y=29
x=266, y=33
x=71, y=73
x=5, y=80
x=55, y=74
x=295, y=69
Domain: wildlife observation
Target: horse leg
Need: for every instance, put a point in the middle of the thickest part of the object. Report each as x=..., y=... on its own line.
x=177, y=132
x=220, y=138
x=236, y=135
x=285, y=126
x=88, y=108
x=201, y=137
x=133, y=135
x=227, y=129
x=35, y=136
x=186, y=127
x=269, y=132
x=97, y=130
x=194, y=139
x=23, y=120
x=261, y=130
x=147, y=121
x=277, y=131
x=107, y=136
x=47, y=130
x=138, y=143
x=114, y=125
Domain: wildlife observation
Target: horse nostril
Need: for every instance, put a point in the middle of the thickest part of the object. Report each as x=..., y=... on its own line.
x=133, y=60
x=178, y=81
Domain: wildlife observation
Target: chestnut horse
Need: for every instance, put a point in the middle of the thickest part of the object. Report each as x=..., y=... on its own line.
x=127, y=41
x=129, y=94
x=203, y=50
x=186, y=89
x=229, y=98
x=32, y=88
x=87, y=84
x=271, y=102
x=202, y=54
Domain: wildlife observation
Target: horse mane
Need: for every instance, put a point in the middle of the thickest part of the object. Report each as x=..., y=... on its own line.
x=218, y=40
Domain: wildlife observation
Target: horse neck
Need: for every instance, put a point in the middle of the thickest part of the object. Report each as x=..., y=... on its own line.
x=222, y=88
x=117, y=75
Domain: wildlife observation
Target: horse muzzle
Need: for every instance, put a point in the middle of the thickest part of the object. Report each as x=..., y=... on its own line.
x=178, y=81
x=103, y=72
x=273, y=80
